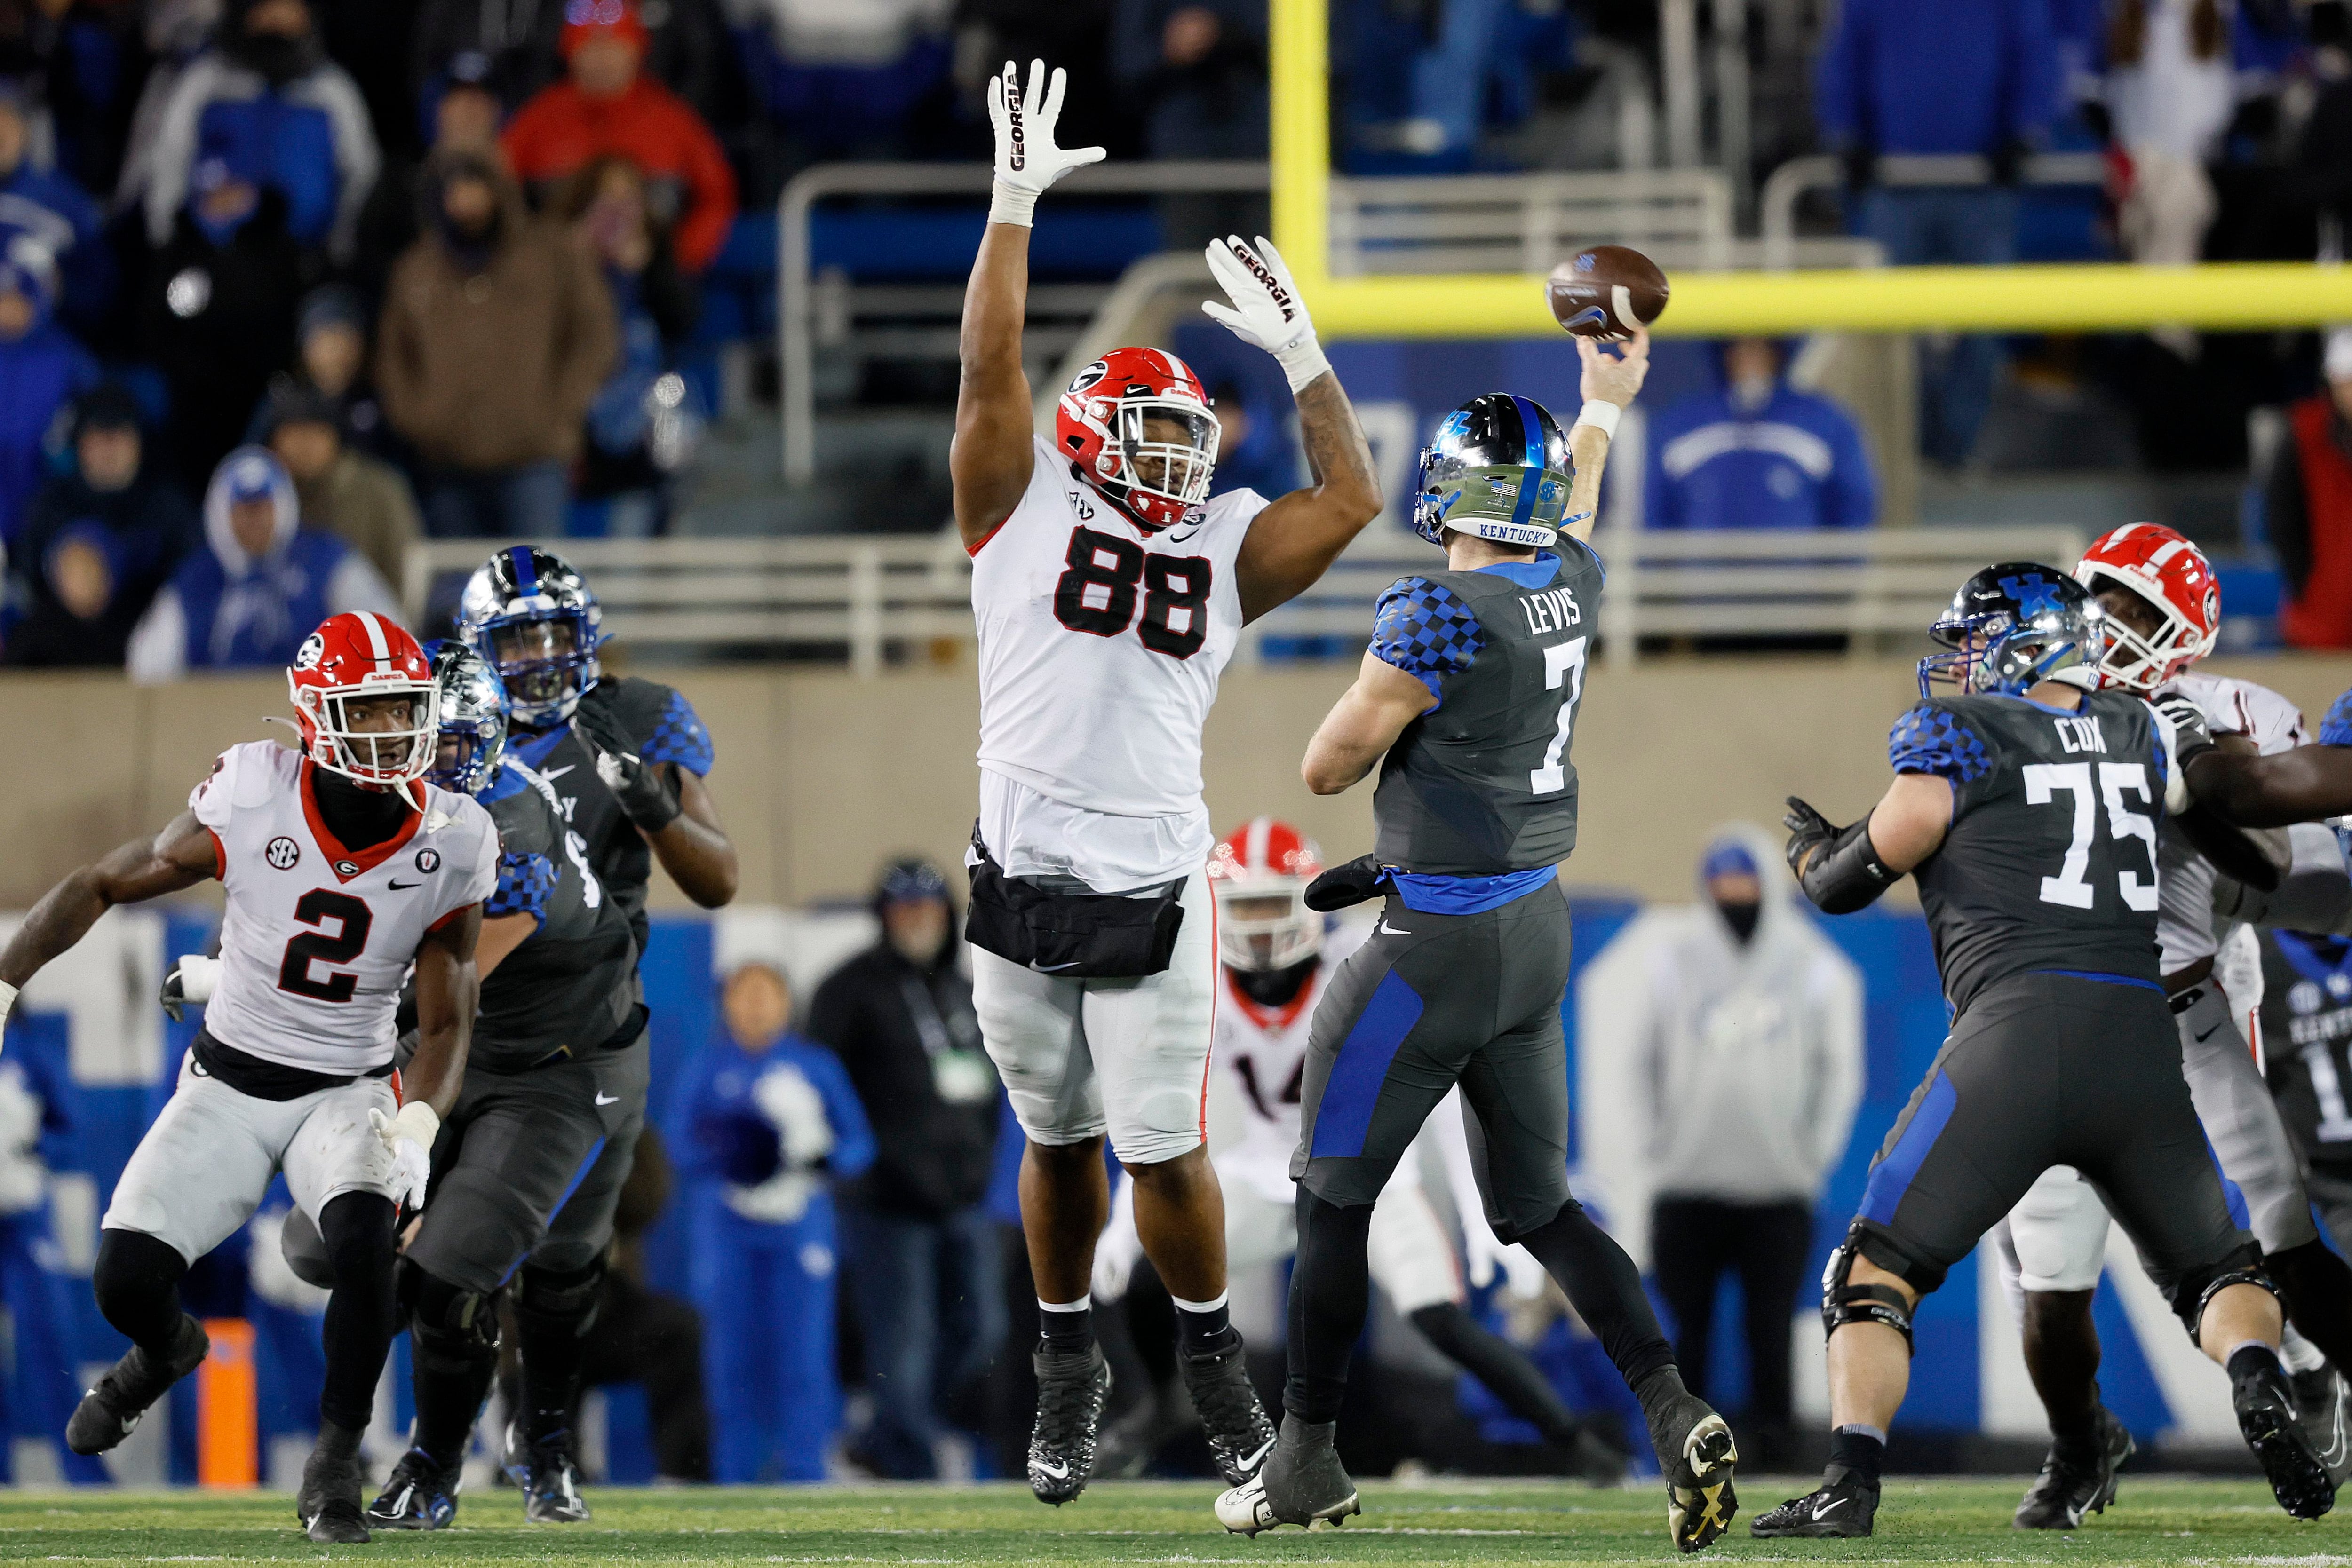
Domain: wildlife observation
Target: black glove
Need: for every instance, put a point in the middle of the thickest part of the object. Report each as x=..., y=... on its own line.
x=1861, y=167
x=1345, y=887
x=2009, y=161
x=2190, y=736
x=1808, y=830
x=645, y=794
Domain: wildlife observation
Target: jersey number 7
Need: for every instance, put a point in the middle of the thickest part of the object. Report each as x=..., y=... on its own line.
x=2045, y=781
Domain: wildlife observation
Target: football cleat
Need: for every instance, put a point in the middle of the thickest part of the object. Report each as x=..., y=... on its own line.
x=420, y=1495
x=1240, y=1436
x=111, y=1411
x=2265, y=1401
x=1300, y=1482
x=1131, y=1443
x=2065, y=1491
x=548, y=1477
x=1696, y=1453
x=333, y=1481
x=1843, y=1509
x=2324, y=1404
x=1071, y=1390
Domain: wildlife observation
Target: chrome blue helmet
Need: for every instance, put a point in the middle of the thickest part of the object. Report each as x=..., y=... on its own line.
x=473, y=713
x=529, y=613
x=1498, y=467
x=2013, y=625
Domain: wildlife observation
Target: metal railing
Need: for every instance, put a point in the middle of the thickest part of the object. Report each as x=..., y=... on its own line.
x=1788, y=184
x=1526, y=222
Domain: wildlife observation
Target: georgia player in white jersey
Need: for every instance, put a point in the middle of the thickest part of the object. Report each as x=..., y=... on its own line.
x=342, y=870
x=1109, y=589
x=1278, y=958
x=2163, y=615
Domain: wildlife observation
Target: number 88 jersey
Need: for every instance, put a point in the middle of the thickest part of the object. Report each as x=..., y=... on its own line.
x=317, y=939
x=1100, y=644
x=2050, y=864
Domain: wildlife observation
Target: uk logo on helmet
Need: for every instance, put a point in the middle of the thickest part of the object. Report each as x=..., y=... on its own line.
x=2035, y=595
x=282, y=853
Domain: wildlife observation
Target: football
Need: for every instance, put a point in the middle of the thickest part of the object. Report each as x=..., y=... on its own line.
x=1606, y=291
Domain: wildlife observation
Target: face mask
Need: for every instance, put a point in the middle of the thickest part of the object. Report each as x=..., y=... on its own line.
x=1742, y=919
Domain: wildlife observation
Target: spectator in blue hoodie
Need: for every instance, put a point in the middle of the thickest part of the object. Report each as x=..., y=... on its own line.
x=1756, y=453
x=41, y=368
x=768, y=1122
x=1937, y=77
x=261, y=586
x=51, y=208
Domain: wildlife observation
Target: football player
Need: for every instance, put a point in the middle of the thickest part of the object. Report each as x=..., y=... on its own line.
x=1109, y=590
x=2163, y=613
x=2027, y=808
x=1279, y=960
x=626, y=759
x=342, y=868
x=1466, y=701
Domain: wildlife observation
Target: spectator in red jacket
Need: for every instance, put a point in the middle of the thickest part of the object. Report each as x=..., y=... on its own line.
x=605, y=108
x=2307, y=504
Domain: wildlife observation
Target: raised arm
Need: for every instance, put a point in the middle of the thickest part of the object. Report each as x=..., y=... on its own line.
x=991, y=459
x=181, y=855
x=1608, y=386
x=1296, y=538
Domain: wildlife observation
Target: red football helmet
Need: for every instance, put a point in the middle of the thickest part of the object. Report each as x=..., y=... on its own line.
x=1102, y=426
x=1259, y=874
x=365, y=700
x=2177, y=580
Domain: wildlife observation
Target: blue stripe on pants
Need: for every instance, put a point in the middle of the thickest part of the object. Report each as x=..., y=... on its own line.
x=1891, y=1178
x=1344, y=1116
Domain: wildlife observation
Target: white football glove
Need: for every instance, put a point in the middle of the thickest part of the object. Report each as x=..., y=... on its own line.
x=1027, y=159
x=409, y=1137
x=1266, y=311
x=797, y=1111
x=191, y=982
x=1119, y=1249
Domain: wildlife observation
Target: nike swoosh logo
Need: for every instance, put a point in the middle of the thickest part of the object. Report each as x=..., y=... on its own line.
x=2209, y=1034
x=1050, y=968
x=1821, y=1509
x=1250, y=1462
x=398, y=886
x=1382, y=928
x=602, y=1099
x=557, y=772
x=1054, y=1472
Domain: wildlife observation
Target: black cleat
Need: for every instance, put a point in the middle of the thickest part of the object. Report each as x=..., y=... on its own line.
x=108, y=1412
x=1071, y=1389
x=333, y=1481
x=1695, y=1454
x=1301, y=1481
x=420, y=1495
x=2324, y=1404
x=2265, y=1401
x=548, y=1477
x=1240, y=1436
x=1131, y=1443
x=1843, y=1509
x=2064, y=1490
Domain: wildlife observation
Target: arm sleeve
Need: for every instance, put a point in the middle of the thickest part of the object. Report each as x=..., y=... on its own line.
x=853, y=1136
x=679, y=736
x=158, y=649
x=1421, y=628
x=525, y=882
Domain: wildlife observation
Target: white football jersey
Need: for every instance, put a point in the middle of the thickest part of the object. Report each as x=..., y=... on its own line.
x=2184, y=927
x=318, y=939
x=1100, y=646
x=1265, y=1050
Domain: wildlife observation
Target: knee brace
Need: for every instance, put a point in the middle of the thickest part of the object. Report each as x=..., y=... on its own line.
x=553, y=1302
x=2192, y=1293
x=1842, y=1301
x=452, y=1330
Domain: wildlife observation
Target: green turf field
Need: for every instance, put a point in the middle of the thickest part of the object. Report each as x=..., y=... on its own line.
x=2200, y=1521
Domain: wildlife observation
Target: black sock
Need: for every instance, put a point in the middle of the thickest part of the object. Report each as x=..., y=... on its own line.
x=1066, y=1329
x=1501, y=1365
x=2252, y=1360
x=137, y=1283
x=361, y=1312
x=1330, y=1291
x=1605, y=1289
x=553, y=1313
x=1855, y=1454
x=1203, y=1328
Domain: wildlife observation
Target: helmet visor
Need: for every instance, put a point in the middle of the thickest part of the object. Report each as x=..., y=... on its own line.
x=539, y=659
x=1266, y=926
x=1171, y=448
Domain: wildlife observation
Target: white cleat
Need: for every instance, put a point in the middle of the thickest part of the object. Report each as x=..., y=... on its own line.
x=1244, y=1510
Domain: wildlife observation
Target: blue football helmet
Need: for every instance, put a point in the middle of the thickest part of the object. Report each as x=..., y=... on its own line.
x=1498, y=467
x=2013, y=625
x=473, y=713
x=530, y=613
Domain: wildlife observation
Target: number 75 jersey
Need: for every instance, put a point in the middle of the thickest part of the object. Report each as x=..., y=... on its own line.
x=2050, y=865
x=1100, y=644
x=317, y=939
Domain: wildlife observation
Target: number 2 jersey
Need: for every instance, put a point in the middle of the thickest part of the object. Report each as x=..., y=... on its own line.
x=1100, y=648
x=2050, y=865
x=317, y=939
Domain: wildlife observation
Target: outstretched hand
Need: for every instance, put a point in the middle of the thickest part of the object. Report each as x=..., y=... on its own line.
x=1614, y=377
x=1028, y=159
x=1267, y=311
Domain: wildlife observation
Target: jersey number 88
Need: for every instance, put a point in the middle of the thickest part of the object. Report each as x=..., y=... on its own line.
x=1096, y=595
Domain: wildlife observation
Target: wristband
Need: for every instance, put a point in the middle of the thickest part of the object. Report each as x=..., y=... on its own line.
x=1302, y=363
x=1602, y=415
x=418, y=1121
x=199, y=977
x=1007, y=205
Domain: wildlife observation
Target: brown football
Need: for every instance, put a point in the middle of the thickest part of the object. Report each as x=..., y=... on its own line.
x=1605, y=291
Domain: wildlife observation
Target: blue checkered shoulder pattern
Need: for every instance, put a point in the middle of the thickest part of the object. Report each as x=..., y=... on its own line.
x=526, y=882
x=679, y=737
x=1425, y=629
x=1930, y=739
x=2336, y=729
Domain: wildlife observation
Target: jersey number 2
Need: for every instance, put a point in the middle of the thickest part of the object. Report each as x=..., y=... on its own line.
x=1096, y=594
x=2044, y=781
x=1563, y=664
x=318, y=947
